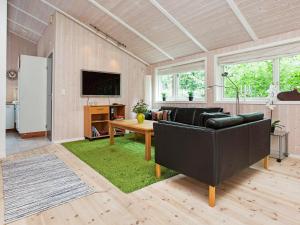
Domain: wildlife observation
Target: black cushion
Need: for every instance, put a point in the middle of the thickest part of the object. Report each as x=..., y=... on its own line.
x=148, y=115
x=219, y=123
x=199, y=111
x=251, y=117
x=205, y=116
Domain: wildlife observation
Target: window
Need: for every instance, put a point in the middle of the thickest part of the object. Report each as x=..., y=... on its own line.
x=191, y=81
x=165, y=84
x=176, y=82
x=253, y=79
x=289, y=73
x=254, y=71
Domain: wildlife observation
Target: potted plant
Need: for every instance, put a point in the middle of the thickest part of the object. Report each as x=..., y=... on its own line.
x=276, y=124
x=164, y=96
x=191, y=95
x=140, y=109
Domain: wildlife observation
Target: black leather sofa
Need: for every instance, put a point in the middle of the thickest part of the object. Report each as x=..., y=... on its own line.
x=215, y=151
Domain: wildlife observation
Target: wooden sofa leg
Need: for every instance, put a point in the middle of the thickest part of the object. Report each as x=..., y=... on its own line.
x=212, y=196
x=266, y=162
x=157, y=170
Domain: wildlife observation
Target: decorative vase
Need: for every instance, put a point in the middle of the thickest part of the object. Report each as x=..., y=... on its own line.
x=164, y=99
x=191, y=98
x=140, y=117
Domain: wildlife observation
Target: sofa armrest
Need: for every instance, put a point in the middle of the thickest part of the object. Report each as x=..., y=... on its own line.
x=186, y=149
x=240, y=146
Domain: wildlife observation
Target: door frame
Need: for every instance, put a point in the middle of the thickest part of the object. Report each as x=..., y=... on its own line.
x=3, y=52
x=52, y=91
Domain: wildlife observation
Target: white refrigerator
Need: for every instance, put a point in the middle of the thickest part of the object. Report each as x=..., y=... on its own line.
x=32, y=94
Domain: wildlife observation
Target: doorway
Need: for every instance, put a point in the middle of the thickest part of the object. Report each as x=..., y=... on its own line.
x=49, y=96
x=26, y=128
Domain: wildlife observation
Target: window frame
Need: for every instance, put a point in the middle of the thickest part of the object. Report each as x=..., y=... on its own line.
x=157, y=96
x=219, y=92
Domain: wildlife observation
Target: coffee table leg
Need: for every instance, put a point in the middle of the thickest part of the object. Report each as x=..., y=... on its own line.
x=111, y=135
x=148, y=146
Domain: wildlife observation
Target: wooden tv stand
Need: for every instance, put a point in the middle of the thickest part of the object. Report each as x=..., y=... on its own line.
x=97, y=117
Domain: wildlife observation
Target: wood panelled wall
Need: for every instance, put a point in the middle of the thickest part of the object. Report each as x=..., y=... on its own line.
x=76, y=48
x=15, y=47
x=288, y=114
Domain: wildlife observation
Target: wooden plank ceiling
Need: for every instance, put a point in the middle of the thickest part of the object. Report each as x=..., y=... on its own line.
x=164, y=29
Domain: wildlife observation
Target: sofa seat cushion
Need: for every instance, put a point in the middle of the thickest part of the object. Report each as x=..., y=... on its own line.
x=219, y=123
x=251, y=117
x=205, y=116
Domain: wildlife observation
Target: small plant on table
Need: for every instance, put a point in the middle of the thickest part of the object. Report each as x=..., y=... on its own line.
x=140, y=109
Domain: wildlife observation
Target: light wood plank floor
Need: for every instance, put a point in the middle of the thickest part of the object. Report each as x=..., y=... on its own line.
x=254, y=196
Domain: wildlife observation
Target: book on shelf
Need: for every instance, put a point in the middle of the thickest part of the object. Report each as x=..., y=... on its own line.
x=95, y=132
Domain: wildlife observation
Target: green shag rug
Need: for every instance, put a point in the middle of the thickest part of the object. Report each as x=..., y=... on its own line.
x=123, y=163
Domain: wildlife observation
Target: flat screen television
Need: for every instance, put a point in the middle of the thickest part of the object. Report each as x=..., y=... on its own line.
x=95, y=83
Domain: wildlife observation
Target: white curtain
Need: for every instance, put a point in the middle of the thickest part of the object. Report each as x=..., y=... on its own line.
x=148, y=89
x=261, y=54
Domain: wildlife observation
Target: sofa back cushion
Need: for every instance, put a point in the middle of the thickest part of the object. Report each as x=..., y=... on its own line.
x=205, y=116
x=185, y=115
x=251, y=117
x=219, y=123
x=191, y=115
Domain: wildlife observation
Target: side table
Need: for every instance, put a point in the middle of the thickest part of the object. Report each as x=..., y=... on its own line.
x=279, y=146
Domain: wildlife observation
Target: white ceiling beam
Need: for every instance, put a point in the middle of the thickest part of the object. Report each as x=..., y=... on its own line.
x=106, y=11
x=26, y=28
x=242, y=19
x=27, y=13
x=178, y=24
x=94, y=32
x=21, y=36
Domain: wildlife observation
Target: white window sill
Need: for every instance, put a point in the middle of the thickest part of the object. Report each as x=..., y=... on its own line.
x=257, y=102
x=181, y=102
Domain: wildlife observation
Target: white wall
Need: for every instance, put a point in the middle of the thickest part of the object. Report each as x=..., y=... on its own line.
x=3, y=37
x=77, y=48
x=15, y=47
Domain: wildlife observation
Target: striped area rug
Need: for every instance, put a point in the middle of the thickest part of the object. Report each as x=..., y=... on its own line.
x=38, y=183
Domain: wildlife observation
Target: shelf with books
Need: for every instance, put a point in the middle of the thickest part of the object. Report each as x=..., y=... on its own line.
x=96, y=120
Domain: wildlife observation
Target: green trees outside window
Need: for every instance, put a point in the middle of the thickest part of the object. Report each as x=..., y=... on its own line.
x=253, y=79
x=289, y=68
x=192, y=82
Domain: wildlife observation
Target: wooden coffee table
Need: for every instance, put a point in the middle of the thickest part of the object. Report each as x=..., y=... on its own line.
x=145, y=128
